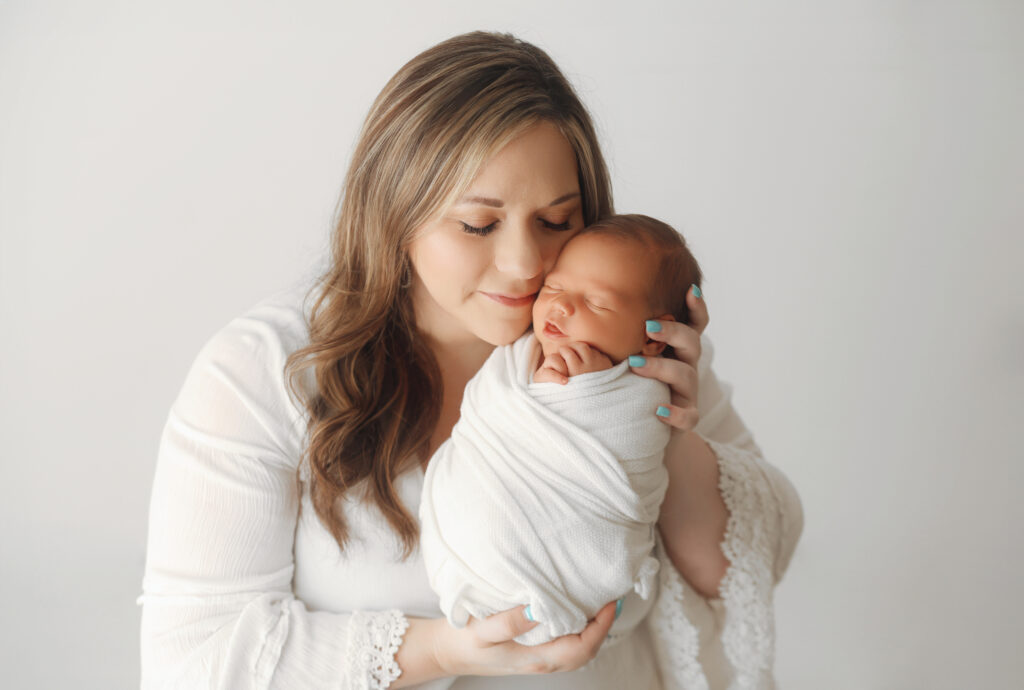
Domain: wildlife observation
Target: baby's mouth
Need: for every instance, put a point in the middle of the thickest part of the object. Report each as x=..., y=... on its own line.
x=553, y=331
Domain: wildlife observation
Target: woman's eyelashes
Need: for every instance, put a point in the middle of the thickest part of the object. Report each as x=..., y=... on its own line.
x=472, y=230
x=488, y=229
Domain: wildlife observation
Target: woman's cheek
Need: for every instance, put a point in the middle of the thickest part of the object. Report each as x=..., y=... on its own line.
x=539, y=309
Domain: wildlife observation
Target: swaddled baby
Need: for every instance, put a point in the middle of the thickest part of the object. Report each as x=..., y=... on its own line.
x=549, y=488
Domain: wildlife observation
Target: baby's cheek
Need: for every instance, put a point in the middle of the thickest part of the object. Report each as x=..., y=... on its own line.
x=540, y=310
x=629, y=335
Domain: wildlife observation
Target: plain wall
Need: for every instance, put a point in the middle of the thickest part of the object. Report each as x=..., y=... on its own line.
x=848, y=173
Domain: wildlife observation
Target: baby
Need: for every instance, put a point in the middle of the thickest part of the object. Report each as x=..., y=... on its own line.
x=608, y=280
x=548, y=491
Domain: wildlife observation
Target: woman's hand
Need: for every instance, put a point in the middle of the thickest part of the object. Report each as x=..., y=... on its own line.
x=487, y=648
x=693, y=515
x=679, y=372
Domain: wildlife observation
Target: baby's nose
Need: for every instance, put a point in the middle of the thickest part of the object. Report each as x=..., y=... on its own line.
x=562, y=305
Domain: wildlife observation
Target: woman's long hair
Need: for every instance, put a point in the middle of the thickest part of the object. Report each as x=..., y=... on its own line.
x=377, y=394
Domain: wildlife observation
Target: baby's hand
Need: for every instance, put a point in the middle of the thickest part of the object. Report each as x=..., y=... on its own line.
x=581, y=358
x=552, y=370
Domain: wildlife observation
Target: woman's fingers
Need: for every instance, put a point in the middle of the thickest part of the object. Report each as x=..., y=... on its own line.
x=685, y=341
x=502, y=626
x=684, y=418
x=496, y=653
x=572, y=651
x=699, y=317
x=594, y=635
x=680, y=376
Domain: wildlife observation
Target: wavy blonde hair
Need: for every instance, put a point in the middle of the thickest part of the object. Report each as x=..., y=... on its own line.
x=377, y=397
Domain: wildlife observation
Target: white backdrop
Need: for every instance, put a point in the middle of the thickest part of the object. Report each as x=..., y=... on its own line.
x=850, y=175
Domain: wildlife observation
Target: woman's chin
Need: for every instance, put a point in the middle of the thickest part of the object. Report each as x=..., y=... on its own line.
x=504, y=333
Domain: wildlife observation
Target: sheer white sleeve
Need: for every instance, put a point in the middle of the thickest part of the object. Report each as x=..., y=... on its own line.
x=764, y=525
x=217, y=605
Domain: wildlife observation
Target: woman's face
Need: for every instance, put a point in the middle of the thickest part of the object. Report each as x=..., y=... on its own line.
x=479, y=264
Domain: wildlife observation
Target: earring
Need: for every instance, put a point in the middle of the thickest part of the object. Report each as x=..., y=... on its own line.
x=406, y=274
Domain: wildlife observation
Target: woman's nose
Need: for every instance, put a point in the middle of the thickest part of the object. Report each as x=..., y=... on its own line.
x=518, y=254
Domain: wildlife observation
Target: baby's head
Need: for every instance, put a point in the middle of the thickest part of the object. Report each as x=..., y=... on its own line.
x=608, y=280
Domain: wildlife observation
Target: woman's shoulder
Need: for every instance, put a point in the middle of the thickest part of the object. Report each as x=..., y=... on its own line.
x=237, y=386
x=278, y=323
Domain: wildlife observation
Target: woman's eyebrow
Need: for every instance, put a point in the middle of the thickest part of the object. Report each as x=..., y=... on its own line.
x=498, y=203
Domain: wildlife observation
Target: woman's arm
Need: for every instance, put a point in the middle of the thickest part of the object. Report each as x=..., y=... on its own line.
x=694, y=515
x=724, y=503
x=218, y=608
x=434, y=649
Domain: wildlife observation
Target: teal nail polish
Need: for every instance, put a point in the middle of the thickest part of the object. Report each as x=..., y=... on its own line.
x=662, y=411
x=636, y=361
x=529, y=614
x=653, y=326
x=618, y=607
x=696, y=291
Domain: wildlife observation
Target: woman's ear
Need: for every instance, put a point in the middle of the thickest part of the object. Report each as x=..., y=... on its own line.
x=653, y=348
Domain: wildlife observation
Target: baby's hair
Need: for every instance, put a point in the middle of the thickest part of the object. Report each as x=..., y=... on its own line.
x=677, y=268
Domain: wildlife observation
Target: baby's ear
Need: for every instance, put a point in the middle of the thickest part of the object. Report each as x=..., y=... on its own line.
x=652, y=348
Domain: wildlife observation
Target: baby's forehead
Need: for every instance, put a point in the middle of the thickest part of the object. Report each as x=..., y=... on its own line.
x=608, y=260
x=604, y=242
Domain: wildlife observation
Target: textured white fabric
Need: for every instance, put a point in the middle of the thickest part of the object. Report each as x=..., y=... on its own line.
x=242, y=590
x=545, y=494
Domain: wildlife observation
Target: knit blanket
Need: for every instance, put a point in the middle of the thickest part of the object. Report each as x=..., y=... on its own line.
x=545, y=494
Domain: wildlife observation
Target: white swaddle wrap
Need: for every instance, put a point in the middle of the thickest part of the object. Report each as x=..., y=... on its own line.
x=545, y=494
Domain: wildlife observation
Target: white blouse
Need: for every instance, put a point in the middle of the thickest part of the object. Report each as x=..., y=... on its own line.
x=245, y=589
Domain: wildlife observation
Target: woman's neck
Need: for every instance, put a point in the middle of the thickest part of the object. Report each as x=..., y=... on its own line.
x=458, y=363
x=459, y=360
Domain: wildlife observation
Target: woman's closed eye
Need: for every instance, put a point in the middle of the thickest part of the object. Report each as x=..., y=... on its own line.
x=473, y=230
x=557, y=226
x=488, y=229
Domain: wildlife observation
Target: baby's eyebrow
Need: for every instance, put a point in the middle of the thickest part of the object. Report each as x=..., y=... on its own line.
x=608, y=291
x=609, y=294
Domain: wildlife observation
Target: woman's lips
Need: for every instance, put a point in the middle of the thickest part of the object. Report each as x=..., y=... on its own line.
x=553, y=331
x=510, y=301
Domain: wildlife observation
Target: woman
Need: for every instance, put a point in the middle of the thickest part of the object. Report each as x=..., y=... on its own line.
x=282, y=543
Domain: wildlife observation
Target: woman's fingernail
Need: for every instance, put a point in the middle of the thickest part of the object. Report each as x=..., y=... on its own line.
x=637, y=361
x=618, y=608
x=529, y=614
x=696, y=290
x=653, y=326
x=662, y=411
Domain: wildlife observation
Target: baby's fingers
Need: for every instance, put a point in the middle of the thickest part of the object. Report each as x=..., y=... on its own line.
x=556, y=362
x=571, y=356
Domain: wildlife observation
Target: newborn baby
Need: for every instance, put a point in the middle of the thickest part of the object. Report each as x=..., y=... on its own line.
x=548, y=491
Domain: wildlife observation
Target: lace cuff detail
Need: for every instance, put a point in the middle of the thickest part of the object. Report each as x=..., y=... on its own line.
x=751, y=536
x=374, y=639
x=751, y=542
x=674, y=638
